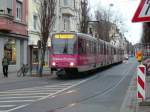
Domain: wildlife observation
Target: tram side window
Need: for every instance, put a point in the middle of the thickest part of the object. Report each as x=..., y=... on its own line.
x=110, y=50
x=114, y=51
x=90, y=47
x=95, y=47
x=108, y=47
x=80, y=46
x=84, y=46
x=99, y=48
x=105, y=49
x=87, y=47
x=102, y=50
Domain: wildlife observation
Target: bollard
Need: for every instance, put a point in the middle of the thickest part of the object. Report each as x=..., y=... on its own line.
x=141, y=74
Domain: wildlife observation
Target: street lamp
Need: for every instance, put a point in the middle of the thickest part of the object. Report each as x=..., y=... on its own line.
x=110, y=5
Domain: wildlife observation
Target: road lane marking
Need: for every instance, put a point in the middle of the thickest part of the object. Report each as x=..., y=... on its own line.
x=4, y=106
x=34, y=93
x=52, y=87
x=25, y=94
x=83, y=81
x=16, y=108
x=34, y=89
x=20, y=97
x=16, y=101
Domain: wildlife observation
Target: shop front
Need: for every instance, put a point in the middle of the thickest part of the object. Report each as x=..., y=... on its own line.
x=35, y=54
x=15, y=48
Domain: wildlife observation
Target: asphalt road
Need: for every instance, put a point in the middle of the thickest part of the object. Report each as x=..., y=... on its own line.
x=103, y=91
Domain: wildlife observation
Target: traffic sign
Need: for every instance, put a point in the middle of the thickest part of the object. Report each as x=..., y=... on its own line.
x=142, y=13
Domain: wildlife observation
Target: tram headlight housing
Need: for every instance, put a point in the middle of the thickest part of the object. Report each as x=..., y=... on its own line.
x=72, y=64
x=53, y=63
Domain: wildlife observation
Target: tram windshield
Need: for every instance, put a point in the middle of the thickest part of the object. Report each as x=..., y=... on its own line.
x=64, y=44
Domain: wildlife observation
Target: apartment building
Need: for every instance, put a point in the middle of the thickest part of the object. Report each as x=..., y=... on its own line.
x=13, y=32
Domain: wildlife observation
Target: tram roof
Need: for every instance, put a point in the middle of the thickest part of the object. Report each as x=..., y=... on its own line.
x=87, y=36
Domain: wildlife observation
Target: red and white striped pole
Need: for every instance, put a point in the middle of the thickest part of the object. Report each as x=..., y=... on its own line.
x=141, y=74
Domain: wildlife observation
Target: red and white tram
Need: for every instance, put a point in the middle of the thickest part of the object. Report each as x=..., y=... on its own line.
x=78, y=52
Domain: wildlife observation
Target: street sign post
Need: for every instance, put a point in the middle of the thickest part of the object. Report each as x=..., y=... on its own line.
x=141, y=74
x=142, y=13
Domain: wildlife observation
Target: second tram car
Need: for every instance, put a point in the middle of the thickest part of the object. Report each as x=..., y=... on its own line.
x=77, y=52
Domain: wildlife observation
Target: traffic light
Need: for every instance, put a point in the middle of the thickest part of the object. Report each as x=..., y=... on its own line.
x=139, y=56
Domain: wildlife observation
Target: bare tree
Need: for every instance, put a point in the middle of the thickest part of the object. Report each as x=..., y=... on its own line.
x=146, y=33
x=47, y=20
x=104, y=24
x=84, y=19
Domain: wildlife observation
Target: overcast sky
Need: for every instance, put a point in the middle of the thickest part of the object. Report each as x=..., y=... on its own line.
x=125, y=9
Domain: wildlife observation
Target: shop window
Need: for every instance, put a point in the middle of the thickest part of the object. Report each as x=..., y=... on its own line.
x=10, y=51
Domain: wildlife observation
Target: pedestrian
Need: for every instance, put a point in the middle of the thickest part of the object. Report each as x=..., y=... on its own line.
x=5, y=64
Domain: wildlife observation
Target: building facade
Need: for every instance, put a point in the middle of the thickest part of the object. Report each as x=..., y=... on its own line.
x=33, y=32
x=68, y=15
x=13, y=32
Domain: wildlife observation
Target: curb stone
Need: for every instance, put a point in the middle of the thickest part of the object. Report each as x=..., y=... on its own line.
x=144, y=103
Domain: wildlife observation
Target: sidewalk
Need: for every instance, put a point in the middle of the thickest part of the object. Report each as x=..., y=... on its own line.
x=12, y=76
x=130, y=103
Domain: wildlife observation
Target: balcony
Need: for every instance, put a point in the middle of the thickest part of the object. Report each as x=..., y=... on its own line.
x=66, y=10
x=6, y=22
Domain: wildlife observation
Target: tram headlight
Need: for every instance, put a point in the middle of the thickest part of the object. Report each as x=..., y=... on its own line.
x=71, y=64
x=53, y=63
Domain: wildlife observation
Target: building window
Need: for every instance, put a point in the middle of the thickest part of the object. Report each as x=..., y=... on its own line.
x=9, y=5
x=10, y=51
x=9, y=11
x=35, y=18
x=18, y=10
x=66, y=23
x=66, y=2
x=36, y=1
